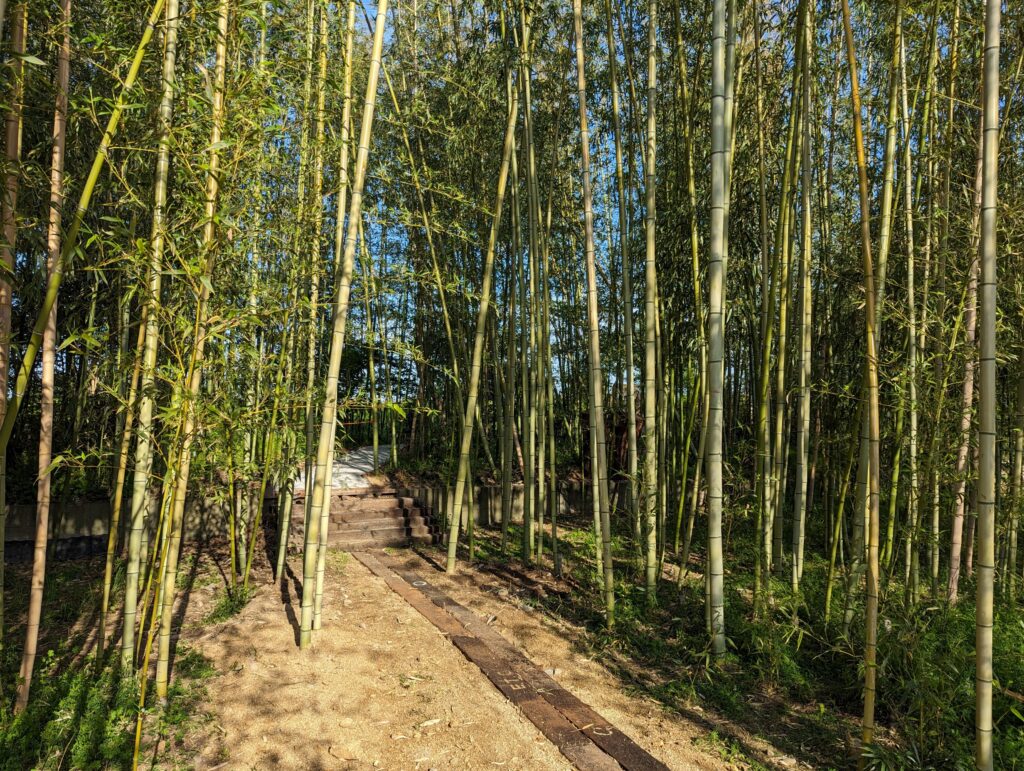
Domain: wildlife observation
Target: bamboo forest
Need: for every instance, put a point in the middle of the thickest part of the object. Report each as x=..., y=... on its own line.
x=597, y=384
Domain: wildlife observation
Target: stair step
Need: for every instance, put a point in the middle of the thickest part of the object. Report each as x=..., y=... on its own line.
x=400, y=526
x=367, y=504
x=367, y=519
x=368, y=524
x=354, y=544
x=298, y=516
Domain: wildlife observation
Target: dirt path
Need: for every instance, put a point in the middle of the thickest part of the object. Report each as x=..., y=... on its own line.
x=673, y=739
x=584, y=737
x=383, y=688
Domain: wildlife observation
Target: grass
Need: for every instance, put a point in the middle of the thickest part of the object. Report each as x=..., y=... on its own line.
x=230, y=604
x=337, y=559
x=185, y=697
x=727, y=749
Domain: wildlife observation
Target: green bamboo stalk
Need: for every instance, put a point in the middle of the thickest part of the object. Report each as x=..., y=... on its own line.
x=71, y=237
x=596, y=380
x=651, y=446
x=342, y=291
x=627, y=276
x=117, y=499
x=209, y=252
x=476, y=366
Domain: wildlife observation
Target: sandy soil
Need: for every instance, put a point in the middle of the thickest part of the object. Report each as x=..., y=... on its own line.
x=381, y=688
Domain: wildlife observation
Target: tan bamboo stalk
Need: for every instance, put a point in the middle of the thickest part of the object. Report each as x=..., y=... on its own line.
x=144, y=443
x=600, y=470
x=342, y=291
x=510, y=352
x=804, y=420
x=987, y=399
x=208, y=251
x=270, y=449
x=528, y=302
x=43, y=483
x=627, y=269
x=9, y=222
x=476, y=366
x=871, y=608
x=716, y=328
x=650, y=314
x=967, y=399
x=318, y=215
x=345, y=132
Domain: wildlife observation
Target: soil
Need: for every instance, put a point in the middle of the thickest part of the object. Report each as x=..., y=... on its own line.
x=382, y=688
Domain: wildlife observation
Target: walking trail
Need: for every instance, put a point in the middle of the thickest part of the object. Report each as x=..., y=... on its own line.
x=382, y=687
x=415, y=669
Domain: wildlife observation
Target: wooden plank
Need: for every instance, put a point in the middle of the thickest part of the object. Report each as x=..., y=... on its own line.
x=574, y=744
x=435, y=615
x=583, y=753
x=617, y=744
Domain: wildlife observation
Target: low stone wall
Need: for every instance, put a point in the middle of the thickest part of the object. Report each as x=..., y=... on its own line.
x=79, y=528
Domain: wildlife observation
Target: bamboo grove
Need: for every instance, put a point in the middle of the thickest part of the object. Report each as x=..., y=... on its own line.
x=743, y=273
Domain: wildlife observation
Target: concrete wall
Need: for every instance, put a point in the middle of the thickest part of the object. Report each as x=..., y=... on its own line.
x=80, y=528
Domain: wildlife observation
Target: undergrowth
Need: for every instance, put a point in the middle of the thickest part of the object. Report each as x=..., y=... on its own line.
x=230, y=604
x=790, y=677
x=82, y=712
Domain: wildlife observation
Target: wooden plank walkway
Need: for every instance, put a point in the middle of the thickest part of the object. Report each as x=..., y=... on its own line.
x=589, y=741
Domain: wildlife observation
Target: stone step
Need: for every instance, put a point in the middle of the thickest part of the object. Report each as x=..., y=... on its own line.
x=371, y=519
x=375, y=524
x=352, y=492
x=365, y=500
x=399, y=526
x=376, y=542
x=341, y=517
